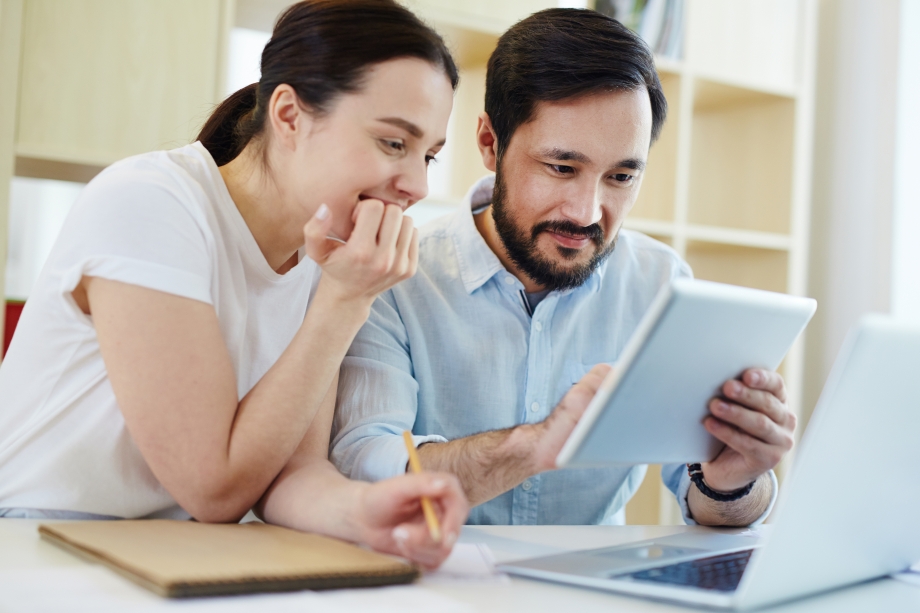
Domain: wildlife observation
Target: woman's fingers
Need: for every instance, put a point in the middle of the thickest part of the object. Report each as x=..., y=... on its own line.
x=381, y=251
x=413, y=253
x=315, y=231
x=388, y=233
x=413, y=536
x=368, y=217
x=404, y=247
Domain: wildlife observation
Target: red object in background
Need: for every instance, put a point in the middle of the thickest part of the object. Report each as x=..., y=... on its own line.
x=13, y=311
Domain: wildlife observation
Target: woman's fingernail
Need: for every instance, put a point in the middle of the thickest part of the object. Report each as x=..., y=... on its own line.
x=322, y=212
x=400, y=533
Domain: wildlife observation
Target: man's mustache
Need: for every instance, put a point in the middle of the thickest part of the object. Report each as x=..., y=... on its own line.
x=567, y=228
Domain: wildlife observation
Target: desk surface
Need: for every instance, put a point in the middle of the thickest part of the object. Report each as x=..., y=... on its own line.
x=22, y=549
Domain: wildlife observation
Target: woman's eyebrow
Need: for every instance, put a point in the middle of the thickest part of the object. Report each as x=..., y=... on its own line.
x=409, y=127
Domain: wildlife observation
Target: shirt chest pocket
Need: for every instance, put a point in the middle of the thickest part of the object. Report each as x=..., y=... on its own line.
x=572, y=372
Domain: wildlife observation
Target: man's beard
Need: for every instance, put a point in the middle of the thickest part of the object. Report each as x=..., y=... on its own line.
x=521, y=245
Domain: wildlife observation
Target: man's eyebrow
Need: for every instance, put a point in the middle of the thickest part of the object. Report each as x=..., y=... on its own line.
x=564, y=155
x=632, y=163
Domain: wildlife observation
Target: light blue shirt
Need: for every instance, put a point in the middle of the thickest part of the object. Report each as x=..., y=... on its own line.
x=454, y=351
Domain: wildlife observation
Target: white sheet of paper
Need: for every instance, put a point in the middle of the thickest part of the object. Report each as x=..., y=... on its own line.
x=467, y=562
x=94, y=589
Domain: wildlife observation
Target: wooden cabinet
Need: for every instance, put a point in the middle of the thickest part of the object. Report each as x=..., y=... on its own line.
x=84, y=83
x=104, y=79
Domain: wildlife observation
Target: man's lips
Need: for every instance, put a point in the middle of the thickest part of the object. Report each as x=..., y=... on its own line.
x=569, y=241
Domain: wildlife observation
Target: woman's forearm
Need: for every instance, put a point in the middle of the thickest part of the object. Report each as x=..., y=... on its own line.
x=274, y=416
x=293, y=500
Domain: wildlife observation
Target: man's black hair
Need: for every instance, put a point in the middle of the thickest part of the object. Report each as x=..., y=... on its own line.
x=563, y=53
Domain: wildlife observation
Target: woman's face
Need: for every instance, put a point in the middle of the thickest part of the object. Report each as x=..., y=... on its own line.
x=375, y=143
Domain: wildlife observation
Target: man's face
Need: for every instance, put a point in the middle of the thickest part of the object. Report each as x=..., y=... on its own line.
x=566, y=182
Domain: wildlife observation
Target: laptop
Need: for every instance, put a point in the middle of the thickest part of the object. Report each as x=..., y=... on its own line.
x=847, y=512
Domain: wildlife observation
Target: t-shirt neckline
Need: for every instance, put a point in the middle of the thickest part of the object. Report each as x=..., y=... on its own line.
x=248, y=242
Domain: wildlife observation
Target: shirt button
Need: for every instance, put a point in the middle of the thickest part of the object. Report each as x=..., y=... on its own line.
x=535, y=407
x=538, y=326
x=526, y=486
x=509, y=280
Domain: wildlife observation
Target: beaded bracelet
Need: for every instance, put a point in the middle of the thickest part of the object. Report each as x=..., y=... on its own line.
x=696, y=475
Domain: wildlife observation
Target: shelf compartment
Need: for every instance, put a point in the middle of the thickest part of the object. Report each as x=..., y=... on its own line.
x=747, y=266
x=656, y=198
x=742, y=238
x=741, y=159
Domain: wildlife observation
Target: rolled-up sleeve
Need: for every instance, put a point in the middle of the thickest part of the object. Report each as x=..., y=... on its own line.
x=677, y=479
x=377, y=399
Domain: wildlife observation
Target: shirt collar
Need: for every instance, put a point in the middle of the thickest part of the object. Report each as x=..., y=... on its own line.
x=477, y=262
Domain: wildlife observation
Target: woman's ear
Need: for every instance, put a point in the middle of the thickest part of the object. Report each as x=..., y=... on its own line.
x=486, y=141
x=288, y=117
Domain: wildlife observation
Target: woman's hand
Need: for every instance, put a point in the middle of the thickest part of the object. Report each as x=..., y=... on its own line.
x=390, y=518
x=381, y=251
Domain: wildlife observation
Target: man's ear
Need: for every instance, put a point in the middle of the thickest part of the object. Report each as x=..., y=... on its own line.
x=287, y=117
x=486, y=141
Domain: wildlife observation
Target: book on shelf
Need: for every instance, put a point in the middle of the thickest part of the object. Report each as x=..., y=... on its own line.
x=659, y=22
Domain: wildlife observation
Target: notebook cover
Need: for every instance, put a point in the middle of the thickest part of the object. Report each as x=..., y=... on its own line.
x=186, y=558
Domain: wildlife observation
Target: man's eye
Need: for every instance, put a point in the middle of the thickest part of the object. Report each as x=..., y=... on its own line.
x=623, y=177
x=561, y=169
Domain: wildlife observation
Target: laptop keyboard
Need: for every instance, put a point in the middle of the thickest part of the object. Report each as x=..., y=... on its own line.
x=721, y=573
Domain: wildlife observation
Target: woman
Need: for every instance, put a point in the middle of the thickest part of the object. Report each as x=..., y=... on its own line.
x=164, y=366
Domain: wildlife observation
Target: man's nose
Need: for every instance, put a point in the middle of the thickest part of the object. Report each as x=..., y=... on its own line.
x=584, y=207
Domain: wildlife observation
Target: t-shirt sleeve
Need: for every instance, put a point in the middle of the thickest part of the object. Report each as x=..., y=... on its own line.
x=138, y=227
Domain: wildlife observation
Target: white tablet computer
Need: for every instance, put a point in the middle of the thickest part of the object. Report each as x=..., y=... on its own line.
x=695, y=336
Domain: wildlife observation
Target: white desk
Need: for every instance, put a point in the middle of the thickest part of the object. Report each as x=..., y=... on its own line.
x=21, y=548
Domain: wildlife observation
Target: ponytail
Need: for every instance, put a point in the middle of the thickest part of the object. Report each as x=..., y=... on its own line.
x=322, y=48
x=227, y=132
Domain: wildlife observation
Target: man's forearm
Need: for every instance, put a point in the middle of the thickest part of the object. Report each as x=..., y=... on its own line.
x=486, y=464
x=741, y=512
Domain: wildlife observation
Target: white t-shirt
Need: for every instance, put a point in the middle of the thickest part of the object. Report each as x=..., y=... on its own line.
x=164, y=221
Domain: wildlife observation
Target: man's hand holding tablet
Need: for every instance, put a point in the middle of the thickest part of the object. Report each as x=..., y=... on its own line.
x=695, y=331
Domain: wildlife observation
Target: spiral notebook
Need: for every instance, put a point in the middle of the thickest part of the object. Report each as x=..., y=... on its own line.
x=185, y=558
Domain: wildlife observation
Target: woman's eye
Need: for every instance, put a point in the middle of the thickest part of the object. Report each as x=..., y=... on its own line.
x=429, y=159
x=395, y=145
x=561, y=169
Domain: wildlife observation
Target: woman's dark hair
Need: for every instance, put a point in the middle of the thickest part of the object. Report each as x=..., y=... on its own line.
x=562, y=53
x=322, y=49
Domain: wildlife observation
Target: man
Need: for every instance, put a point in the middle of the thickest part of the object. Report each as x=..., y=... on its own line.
x=535, y=288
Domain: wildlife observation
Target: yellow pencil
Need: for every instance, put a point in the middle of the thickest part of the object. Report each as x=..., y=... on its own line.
x=433, y=526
